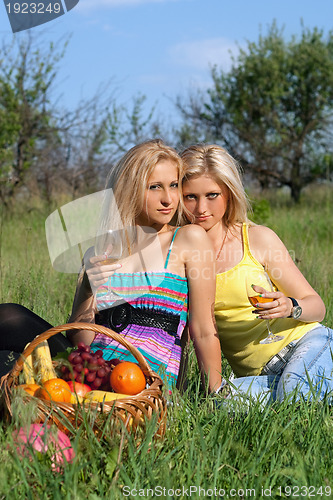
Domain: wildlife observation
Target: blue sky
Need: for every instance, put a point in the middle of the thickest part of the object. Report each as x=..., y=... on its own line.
x=161, y=48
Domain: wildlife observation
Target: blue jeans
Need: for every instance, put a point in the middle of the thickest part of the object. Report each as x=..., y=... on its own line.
x=309, y=371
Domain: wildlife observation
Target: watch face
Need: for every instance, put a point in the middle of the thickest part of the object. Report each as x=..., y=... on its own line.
x=297, y=311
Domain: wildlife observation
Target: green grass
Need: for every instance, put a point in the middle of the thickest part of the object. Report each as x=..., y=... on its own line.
x=240, y=452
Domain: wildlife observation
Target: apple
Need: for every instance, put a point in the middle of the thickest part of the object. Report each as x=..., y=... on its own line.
x=78, y=388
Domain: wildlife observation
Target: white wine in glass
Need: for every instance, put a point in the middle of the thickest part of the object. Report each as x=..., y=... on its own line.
x=109, y=244
x=261, y=279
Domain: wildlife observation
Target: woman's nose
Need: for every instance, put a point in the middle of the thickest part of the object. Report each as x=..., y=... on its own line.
x=166, y=198
x=201, y=206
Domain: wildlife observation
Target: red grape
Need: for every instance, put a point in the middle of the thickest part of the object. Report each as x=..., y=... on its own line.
x=77, y=359
x=86, y=356
x=71, y=356
x=96, y=383
x=99, y=353
x=101, y=373
x=93, y=365
x=90, y=377
x=78, y=368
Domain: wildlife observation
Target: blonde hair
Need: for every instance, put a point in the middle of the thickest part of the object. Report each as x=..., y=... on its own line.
x=217, y=163
x=128, y=179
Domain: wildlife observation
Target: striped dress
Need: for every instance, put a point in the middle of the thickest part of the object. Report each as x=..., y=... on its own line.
x=158, y=293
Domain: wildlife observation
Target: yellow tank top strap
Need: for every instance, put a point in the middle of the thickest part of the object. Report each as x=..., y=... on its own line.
x=245, y=234
x=246, y=245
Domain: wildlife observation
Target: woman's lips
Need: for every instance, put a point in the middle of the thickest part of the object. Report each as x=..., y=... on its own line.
x=202, y=218
x=165, y=210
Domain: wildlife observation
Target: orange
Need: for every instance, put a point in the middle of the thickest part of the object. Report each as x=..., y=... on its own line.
x=29, y=388
x=55, y=389
x=127, y=378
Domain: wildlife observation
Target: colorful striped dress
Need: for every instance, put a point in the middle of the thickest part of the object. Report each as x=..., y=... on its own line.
x=150, y=309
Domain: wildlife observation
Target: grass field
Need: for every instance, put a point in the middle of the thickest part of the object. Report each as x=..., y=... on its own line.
x=283, y=451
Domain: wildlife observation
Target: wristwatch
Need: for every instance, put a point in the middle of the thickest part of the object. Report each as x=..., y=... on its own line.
x=296, y=310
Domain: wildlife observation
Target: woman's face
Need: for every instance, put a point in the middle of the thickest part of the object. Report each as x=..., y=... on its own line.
x=206, y=200
x=161, y=195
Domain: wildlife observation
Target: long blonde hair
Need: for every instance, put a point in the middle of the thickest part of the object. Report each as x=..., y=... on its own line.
x=216, y=162
x=128, y=179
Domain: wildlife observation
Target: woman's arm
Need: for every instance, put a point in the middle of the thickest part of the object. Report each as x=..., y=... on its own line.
x=92, y=275
x=182, y=374
x=269, y=250
x=83, y=310
x=199, y=262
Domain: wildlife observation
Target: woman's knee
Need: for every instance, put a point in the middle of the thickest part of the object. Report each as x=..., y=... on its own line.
x=11, y=309
x=312, y=384
x=309, y=370
x=18, y=326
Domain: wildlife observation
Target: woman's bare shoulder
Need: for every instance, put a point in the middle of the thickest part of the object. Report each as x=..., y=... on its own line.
x=192, y=237
x=263, y=235
x=266, y=246
x=192, y=232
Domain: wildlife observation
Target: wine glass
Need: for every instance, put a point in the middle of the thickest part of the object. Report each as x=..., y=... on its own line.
x=261, y=279
x=109, y=244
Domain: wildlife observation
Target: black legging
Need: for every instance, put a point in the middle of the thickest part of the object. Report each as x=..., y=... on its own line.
x=18, y=326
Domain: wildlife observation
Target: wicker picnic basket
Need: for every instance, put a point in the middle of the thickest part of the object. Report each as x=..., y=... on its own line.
x=130, y=413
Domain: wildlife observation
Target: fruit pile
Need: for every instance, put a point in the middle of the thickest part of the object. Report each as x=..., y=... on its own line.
x=87, y=367
x=87, y=376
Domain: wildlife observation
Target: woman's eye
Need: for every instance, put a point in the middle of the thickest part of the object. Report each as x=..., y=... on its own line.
x=154, y=186
x=212, y=196
x=190, y=197
x=174, y=185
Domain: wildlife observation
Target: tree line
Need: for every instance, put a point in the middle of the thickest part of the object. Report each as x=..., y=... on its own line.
x=272, y=110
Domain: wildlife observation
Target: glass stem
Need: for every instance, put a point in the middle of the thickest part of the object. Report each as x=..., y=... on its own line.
x=271, y=334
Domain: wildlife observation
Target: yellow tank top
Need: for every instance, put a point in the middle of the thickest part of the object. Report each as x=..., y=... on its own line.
x=239, y=330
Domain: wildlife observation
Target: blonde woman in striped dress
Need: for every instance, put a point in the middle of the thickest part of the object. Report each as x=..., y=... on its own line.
x=166, y=279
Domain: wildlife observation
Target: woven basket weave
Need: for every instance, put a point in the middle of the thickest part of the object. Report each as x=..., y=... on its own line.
x=132, y=412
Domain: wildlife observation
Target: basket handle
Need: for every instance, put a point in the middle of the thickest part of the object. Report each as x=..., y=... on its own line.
x=80, y=326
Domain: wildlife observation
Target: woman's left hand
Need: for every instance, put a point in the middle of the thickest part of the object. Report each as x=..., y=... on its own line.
x=279, y=306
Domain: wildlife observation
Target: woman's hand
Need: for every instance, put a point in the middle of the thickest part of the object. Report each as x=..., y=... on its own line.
x=99, y=270
x=269, y=250
x=278, y=306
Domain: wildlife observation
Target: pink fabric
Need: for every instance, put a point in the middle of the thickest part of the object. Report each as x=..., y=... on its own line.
x=41, y=438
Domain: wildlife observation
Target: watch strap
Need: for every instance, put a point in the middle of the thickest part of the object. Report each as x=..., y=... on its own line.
x=295, y=304
x=294, y=301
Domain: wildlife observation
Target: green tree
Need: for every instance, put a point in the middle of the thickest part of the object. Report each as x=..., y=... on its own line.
x=130, y=125
x=273, y=109
x=27, y=120
x=9, y=128
x=44, y=147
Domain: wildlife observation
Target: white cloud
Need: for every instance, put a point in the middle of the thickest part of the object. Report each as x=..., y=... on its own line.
x=96, y=4
x=201, y=54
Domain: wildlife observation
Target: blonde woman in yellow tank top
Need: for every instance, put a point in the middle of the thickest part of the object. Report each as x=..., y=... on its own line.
x=215, y=199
